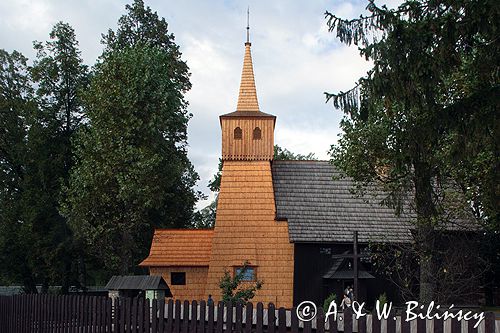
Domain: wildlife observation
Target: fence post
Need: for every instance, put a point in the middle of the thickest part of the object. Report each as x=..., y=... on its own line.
x=361, y=325
x=294, y=321
x=229, y=317
x=438, y=325
x=248, y=317
x=405, y=325
x=456, y=326
x=211, y=317
x=194, y=316
x=238, y=327
x=133, y=315
x=140, y=314
x=422, y=326
x=220, y=317
x=161, y=314
x=185, y=317
x=271, y=318
x=489, y=323
x=260, y=315
x=391, y=322
x=281, y=320
x=320, y=320
x=203, y=309
x=375, y=322
x=154, y=313
x=177, y=316
x=147, y=316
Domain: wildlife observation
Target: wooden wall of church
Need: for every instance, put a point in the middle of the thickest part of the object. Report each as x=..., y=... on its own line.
x=248, y=148
x=246, y=229
x=196, y=279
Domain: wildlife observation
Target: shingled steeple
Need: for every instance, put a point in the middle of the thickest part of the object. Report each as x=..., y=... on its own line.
x=247, y=99
x=247, y=133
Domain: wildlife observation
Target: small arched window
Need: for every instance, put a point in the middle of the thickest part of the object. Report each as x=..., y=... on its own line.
x=257, y=134
x=238, y=133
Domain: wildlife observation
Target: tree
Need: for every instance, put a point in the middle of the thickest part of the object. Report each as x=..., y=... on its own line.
x=285, y=154
x=232, y=289
x=36, y=150
x=132, y=173
x=423, y=119
x=60, y=76
x=142, y=26
x=16, y=102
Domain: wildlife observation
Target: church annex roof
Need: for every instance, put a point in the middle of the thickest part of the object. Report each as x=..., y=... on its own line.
x=321, y=209
x=180, y=247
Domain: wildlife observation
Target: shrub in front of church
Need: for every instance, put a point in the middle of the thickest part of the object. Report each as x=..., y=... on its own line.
x=332, y=297
x=236, y=289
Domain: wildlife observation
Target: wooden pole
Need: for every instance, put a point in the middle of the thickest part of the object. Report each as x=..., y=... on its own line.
x=355, y=262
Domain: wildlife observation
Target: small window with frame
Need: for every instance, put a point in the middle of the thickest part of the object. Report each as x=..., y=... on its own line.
x=238, y=133
x=257, y=133
x=250, y=273
x=178, y=278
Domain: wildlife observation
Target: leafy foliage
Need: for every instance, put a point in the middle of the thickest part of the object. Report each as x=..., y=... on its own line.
x=87, y=176
x=16, y=103
x=423, y=120
x=382, y=299
x=285, y=154
x=132, y=172
x=326, y=304
x=235, y=290
x=38, y=128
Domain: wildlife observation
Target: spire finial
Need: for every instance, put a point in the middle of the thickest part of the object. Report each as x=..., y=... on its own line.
x=248, y=24
x=247, y=99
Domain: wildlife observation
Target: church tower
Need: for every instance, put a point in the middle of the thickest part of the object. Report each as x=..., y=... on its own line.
x=246, y=229
x=247, y=133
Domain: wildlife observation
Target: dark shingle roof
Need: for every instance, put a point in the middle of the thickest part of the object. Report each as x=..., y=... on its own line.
x=321, y=209
x=137, y=282
x=248, y=114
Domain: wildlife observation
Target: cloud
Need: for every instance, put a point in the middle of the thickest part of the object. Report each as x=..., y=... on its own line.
x=295, y=59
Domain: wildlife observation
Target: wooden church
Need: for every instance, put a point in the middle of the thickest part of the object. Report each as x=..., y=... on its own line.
x=291, y=220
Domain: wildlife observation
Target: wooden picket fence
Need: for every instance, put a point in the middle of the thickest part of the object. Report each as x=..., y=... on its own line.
x=85, y=314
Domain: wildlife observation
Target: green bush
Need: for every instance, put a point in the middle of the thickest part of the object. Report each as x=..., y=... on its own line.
x=382, y=300
x=328, y=300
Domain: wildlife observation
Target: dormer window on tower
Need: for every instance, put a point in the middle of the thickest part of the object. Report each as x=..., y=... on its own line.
x=257, y=133
x=238, y=133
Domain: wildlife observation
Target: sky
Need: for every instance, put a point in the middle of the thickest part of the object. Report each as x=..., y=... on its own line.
x=295, y=61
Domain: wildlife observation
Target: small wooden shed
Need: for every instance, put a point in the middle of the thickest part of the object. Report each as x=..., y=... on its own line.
x=148, y=286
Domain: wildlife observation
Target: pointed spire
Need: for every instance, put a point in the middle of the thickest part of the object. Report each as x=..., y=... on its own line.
x=247, y=99
x=248, y=24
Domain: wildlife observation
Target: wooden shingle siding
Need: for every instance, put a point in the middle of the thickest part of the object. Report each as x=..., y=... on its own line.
x=174, y=247
x=247, y=98
x=246, y=229
x=196, y=279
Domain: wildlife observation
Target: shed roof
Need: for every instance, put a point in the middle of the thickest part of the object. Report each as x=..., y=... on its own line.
x=180, y=247
x=137, y=282
x=320, y=208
